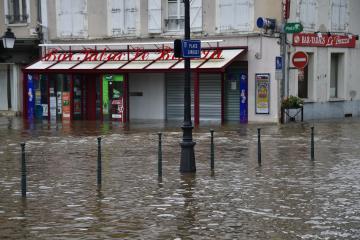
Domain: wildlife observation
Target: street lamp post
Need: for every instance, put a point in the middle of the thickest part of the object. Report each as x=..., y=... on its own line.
x=187, y=163
x=8, y=39
x=8, y=42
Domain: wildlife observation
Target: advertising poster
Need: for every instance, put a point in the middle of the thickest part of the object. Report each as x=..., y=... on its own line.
x=66, y=106
x=117, y=109
x=31, y=96
x=243, y=98
x=45, y=110
x=52, y=102
x=262, y=93
x=38, y=106
x=77, y=106
x=59, y=103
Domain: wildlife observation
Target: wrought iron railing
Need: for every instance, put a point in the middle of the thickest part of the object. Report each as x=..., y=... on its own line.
x=17, y=18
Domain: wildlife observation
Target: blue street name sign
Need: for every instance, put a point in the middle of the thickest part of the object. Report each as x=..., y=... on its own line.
x=191, y=48
x=278, y=63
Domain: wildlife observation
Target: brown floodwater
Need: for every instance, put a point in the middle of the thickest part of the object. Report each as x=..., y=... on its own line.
x=288, y=197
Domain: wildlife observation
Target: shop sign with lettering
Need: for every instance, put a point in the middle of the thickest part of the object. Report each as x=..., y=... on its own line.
x=134, y=55
x=314, y=40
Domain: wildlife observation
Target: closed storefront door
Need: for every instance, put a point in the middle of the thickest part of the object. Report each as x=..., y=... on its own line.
x=236, y=96
x=210, y=97
x=175, y=96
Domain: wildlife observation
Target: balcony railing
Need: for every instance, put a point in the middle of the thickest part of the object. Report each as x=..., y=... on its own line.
x=13, y=19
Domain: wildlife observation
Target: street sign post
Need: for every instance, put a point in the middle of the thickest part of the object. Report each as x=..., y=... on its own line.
x=278, y=67
x=300, y=59
x=191, y=48
x=293, y=27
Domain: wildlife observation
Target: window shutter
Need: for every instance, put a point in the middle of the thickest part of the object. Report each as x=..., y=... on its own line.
x=196, y=15
x=335, y=15
x=154, y=16
x=79, y=21
x=65, y=18
x=242, y=16
x=343, y=12
x=312, y=13
x=308, y=13
x=130, y=17
x=226, y=15
x=117, y=17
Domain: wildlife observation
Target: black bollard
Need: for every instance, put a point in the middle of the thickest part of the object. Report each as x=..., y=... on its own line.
x=259, y=147
x=212, y=150
x=159, y=157
x=312, y=144
x=23, y=171
x=99, y=162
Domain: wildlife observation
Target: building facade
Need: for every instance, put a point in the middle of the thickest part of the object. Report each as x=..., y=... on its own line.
x=218, y=94
x=22, y=17
x=330, y=83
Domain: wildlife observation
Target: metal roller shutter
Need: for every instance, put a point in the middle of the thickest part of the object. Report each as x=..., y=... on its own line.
x=232, y=98
x=210, y=96
x=175, y=96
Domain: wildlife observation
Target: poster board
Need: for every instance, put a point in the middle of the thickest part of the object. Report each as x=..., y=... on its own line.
x=66, y=106
x=262, y=93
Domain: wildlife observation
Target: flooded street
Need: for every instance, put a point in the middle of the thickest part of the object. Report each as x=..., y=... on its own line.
x=288, y=197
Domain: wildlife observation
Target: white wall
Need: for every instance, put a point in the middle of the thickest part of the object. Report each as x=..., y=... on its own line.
x=266, y=49
x=3, y=88
x=151, y=105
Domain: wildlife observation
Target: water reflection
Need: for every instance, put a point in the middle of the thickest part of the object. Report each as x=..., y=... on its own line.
x=288, y=197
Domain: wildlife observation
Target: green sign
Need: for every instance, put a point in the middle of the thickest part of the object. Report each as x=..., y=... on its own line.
x=105, y=87
x=293, y=27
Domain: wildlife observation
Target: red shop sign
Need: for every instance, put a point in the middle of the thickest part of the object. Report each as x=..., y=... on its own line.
x=134, y=55
x=313, y=40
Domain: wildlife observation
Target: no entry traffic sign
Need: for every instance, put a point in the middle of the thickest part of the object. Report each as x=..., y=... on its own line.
x=300, y=59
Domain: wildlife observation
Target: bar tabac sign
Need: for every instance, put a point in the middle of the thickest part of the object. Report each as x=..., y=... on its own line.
x=324, y=40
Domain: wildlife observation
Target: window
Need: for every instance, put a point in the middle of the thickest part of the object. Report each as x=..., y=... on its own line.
x=16, y=11
x=123, y=16
x=303, y=80
x=235, y=15
x=336, y=75
x=71, y=18
x=306, y=79
x=176, y=15
x=307, y=13
x=339, y=15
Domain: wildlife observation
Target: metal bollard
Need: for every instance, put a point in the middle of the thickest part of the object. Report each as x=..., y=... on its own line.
x=99, y=162
x=212, y=150
x=23, y=171
x=312, y=144
x=259, y=147
x=159, y=157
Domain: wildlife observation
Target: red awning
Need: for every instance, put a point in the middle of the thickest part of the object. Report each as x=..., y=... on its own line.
x=137, y=61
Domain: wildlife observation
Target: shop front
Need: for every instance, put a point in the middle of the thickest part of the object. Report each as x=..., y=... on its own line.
x=130, y=82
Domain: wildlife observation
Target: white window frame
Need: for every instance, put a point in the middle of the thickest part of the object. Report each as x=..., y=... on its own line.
x=6, y=12
x=341, y=83
x=109, y=21
x=177, y=18
x=347, y=18
x=298, y=16
x=235, y=30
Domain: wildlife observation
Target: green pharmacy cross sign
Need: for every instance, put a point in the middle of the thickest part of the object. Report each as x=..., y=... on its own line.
x=293, y=27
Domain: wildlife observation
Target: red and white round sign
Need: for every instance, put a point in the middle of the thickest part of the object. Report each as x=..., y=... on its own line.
x=300, y=59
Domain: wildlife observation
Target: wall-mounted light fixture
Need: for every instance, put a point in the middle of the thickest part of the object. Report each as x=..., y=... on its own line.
x=8, y=39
